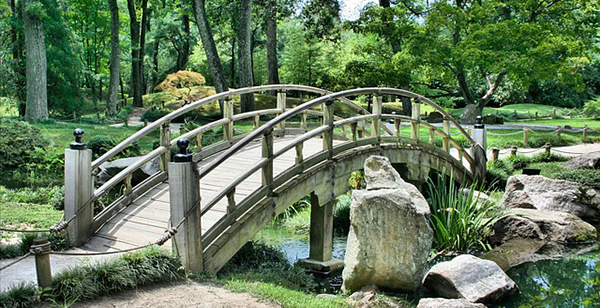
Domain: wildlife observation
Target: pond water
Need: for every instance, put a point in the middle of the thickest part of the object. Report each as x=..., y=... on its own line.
x=569, y=282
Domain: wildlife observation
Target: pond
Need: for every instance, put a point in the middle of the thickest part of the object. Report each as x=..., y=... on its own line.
x=569, y=282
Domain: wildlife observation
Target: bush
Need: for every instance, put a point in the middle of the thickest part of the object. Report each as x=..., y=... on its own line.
x=18, y=141
x=180, y=79
x=58, y=242
x=460, y=222
x=589, y=177
x=100, y=144
x=53, y=195
x=341, y=214
x=519, y=161
x=22, y=295
x=154, y=113
x=592, y=108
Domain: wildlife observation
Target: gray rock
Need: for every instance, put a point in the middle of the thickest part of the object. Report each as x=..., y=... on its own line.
x=585, y=161
x=435, y=117
x=538, y=192
x=469, y=114
x=447, y=303
x=492, y=119
x=549, y=226
x=390, y=238
x=112, y=168
x=466, y=276
x=482, y=197
x=515, y=252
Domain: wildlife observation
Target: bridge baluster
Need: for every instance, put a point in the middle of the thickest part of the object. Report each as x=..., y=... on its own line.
x=165, y=141
x=281, y=97
x=353, y=130
x=299, y=153
x=431, y=136
x=328, y=120
x=267, y=169
x=304, y=121
x=256, y=122
x=231, y=203
x=416, y=114
x=447, y=137
x=228, y=110
x=377, y=105
x=198, y=143
x=398, y=127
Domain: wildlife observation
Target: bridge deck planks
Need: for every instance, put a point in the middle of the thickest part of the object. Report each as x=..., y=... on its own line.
x=145, y=220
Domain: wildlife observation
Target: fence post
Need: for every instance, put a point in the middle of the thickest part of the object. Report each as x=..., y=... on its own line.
x=558, y=130
x=184, y=196
x=41, y=249
x=525, y=135
x=267, y=153
x=513, y=151
x=585, y=130
x=547, y=148
x=495, y=154
x=78, y=190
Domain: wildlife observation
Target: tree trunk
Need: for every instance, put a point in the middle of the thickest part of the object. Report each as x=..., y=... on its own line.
x=208, y=42
x=272, y=65
x=37, y=97
x=245, y=53
x=232, y=66
x=184, y=54
x=394, y=40
x=146, y=16
x=136, y=79
x=115, y=60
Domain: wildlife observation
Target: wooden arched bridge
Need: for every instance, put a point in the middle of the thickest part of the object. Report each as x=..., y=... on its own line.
x=217, y=197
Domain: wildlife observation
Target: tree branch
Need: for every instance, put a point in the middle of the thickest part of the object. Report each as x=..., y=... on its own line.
x=493, y=88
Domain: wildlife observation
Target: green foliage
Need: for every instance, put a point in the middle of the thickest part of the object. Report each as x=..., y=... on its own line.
x=589, y=177
x=592, y=108
x=109, y=276
x=18, y=141
x=460, y=221
x=154, y=113
x=22, y=295
x=256, y=255
x=58, y=242
x=100, y=144
x=27, y=216
x=53, y=195
x=341, y=214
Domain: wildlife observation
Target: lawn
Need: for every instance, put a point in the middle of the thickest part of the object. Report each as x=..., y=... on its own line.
x=27, y=216
x=573, y=122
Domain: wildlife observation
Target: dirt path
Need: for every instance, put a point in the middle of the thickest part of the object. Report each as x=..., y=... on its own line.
x=183, y=294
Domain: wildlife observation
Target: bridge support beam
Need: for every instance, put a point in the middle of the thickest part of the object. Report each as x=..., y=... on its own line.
x=184, y=194
x=321, y=237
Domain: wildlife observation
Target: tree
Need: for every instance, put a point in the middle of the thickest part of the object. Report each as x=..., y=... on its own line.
x=37, y=96
x=137, y=50
x=271, y=25
x=115, y=59
x=245, y=54
x=208, y=42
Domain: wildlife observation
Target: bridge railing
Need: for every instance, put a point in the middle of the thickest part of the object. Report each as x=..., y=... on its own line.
x=163, y=151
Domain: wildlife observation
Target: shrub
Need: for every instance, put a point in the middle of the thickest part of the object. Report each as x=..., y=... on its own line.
x=256, y=255
x=154, y=113
x=459, y=220
x=58, y=242
x=22, y=295
x=589, y=177
x=18, y=141
x=519, y=161
x=180, y=79
x=592, y=108
x=53, y=195
x=100, y=144
x=341, y=214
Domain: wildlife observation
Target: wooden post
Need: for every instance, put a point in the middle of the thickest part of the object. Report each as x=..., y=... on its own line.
x=397, y=128
x=525, y=135
x=447, y=137
x=558, y=130
x=198, y=143
x=41, y=249
x=304, y=121
x=321, y=229
x=513, y=151
x=231, y=202
x=228, y=109
x=281, y=96
x=585, y=130
x=256, y=122
x=547, y=148
x=78, y=190
x=299, y=153
x=184, y=194
x=328, y=120
x=267, y=169
x=495, y=154
x=165, y=141
x=353, y=131
x=416, y=114
x=377, y=106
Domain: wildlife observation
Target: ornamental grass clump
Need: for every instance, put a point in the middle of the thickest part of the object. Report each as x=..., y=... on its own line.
x=460, y=220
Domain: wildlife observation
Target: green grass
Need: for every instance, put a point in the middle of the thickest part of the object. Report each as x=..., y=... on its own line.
x=573, y=122
x=27, y=216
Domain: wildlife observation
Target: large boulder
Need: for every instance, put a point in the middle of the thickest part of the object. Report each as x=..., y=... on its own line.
x=492, y=119
x=549, y=226
x=538, y=192
x=447, y=303
x=585, y=161
x=469, y=114
x=390, y=238
x=435, y=117
x=112, y=168
x=469, y=277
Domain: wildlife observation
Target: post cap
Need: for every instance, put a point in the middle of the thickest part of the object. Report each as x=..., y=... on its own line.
x=183, y=156
x=78, y=144
x=478, y=122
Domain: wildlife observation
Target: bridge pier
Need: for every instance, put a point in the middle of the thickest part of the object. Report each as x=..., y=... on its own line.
x=321, y=237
